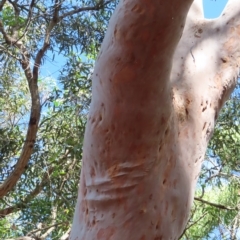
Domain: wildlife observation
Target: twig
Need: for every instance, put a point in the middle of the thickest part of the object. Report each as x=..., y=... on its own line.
x=98, y=6
x=220, y=206
x=34, y=193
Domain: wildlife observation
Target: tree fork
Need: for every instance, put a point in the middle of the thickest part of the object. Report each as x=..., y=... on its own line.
x=152, y=114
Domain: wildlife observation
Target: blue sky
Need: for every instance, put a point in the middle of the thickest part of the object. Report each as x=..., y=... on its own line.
x=213, y=8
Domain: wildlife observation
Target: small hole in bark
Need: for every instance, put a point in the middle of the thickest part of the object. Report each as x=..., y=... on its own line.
x=150, y=196
x=223, y=60
x=204, y=125
x=32, y=121
x=204, y=109
x=137, y=9
x=164, y=181
x=113, y=215
x=200, y=30
x=100, y=118
x=160, y=147
x=93, y=222
x=186, y=111
x=166, y=131
x=157, y=226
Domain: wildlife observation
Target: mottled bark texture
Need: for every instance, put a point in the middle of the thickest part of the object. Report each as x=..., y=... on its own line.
x=152, y=114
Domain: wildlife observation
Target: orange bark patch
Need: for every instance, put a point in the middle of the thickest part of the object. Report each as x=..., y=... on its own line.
x=143, y=237
x=106, y=233
x=92, y=173
x=127, y=74
x=229, y=45
x=138, y=9
x=113, y=171
x=238, y=29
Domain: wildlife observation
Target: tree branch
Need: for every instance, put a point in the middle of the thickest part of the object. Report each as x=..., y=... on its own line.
x=29, y=18
x=41, y=229
x=54, y=216
x=21, y=238
x=193, y=223
x=32, y=78
x=98, y=6
x=2, y=4
x=65, y=236
x=220, y=206
x=11, y=181
x=34, y=193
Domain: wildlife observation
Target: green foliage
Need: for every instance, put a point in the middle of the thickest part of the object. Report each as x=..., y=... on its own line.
x=219, y=180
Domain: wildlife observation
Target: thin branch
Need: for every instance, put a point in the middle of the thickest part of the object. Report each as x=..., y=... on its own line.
x=32, y=78
x=23, y=204
x=29, y=18
x=65, y=236
x=5, y=50
x=46, y=43
x=27, y=149
x=2, y=4
x=193, y=223
x=21, y=238
x=42, y=229
x=98, y=6
x=220, y=206
x=54, y=219
x=34, y=193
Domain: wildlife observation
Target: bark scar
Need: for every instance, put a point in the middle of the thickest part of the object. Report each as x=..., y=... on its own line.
x=192, y=54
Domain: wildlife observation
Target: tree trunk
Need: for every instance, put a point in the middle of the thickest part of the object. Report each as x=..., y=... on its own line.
x=155, y=103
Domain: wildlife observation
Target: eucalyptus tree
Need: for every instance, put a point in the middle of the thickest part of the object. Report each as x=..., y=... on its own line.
x=158, y=88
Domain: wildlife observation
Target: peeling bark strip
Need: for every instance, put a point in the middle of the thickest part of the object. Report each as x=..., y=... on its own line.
x=149, y=124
